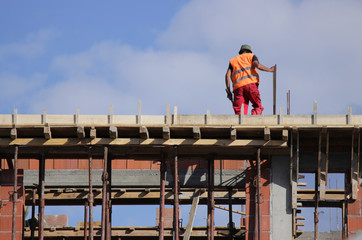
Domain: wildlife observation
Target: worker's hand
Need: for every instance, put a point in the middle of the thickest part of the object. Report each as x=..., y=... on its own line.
x=229, y=94
x=272, y=69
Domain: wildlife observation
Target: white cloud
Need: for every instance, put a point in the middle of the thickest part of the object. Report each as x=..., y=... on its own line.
x=316, y=45
x=33, y=46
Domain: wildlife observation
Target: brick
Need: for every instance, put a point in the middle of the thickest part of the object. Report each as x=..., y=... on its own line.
x=56, y=220
x=7, y=209
x=233, y=164
x=83, y=164
x=265, y=207
x=168, y=217
x=156, y=165
x=49, y=163
x=354, y=209
x=265, y=235
x=97, y=163
x=354, y=223
x=138, y=164
x=65, y=163
x=6, y=235
x=265, y=223
x=118, y=164
x=33, y=164
x=7, y=223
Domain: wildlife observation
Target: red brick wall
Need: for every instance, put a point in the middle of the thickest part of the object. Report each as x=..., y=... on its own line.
x=184, y=163
x=6, y=206
x=265, y=200
x=354, y=216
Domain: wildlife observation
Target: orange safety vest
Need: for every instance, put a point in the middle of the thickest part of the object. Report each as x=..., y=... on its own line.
x=243, y=71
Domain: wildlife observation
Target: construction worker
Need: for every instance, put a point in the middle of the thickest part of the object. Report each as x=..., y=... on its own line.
x=244, y=75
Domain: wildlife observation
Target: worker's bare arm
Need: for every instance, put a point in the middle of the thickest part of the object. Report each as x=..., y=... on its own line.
x=227, y=78
x=227, y=82
x=262, y=67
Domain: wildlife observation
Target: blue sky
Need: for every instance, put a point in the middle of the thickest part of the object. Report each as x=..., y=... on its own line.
x=88, y=55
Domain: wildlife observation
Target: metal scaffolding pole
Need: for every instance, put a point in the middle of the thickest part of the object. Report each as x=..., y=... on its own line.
x=90, y=197
x=210, y=199
x=15, y=193
x=231, y=223
x=109, y=202
x=257, y=198
x=85, y=219
x=104, y=194
x=316, y=211
x=33, y=221
x=176, y=197
x=41, y=197
x=162, y=196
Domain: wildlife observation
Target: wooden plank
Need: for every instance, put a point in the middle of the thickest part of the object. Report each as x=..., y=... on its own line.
x=144, y=132
x=285, y=134
x=47, y=132
x=124, y=193
x=113, y=132
x=267, y=134
x=190, y=221
x=355, y=155
x=93, y=133
x=196, y=132
x=80, y=132
x=166, y=133
x=138, y=141
x=233, y=133
x=13, y=133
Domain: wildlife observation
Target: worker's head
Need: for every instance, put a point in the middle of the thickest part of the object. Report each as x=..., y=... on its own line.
x=245, y=48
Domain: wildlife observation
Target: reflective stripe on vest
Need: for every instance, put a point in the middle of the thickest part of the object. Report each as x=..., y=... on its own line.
x=243, y=71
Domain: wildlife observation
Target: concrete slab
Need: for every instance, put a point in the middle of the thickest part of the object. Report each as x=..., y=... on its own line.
x=134, y=178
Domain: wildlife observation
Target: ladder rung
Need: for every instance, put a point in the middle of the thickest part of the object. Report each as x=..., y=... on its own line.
x=302, y=184
x=300, y=223
x=300, y=218
x=301, y=176
x=299, y=204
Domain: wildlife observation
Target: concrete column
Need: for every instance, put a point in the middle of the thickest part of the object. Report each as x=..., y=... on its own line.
x=281, y=200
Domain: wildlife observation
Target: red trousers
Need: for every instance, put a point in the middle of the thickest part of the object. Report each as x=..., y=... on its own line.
x=243, y=95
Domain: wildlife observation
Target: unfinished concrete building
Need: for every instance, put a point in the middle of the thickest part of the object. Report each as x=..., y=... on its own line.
x=256, y=162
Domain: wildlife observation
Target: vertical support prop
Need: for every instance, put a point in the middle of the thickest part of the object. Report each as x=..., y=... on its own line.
x=344, y=232
x=355, y=155
x=288, y=102
x=210, y=199
x=41, y=196
x=85, y=219
x=323, y=149
x=15, y=193
x=162, y=196
x=104, y=194
x=231, y=223
x=257, y=197
x=190, y=221
x=314, y=117
x=33, y=220
x=275, y=90
x=176, y=197
x=109, y=201
x=139, y=112
x=294, y=171
x=316, y=210
x=90, y=196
